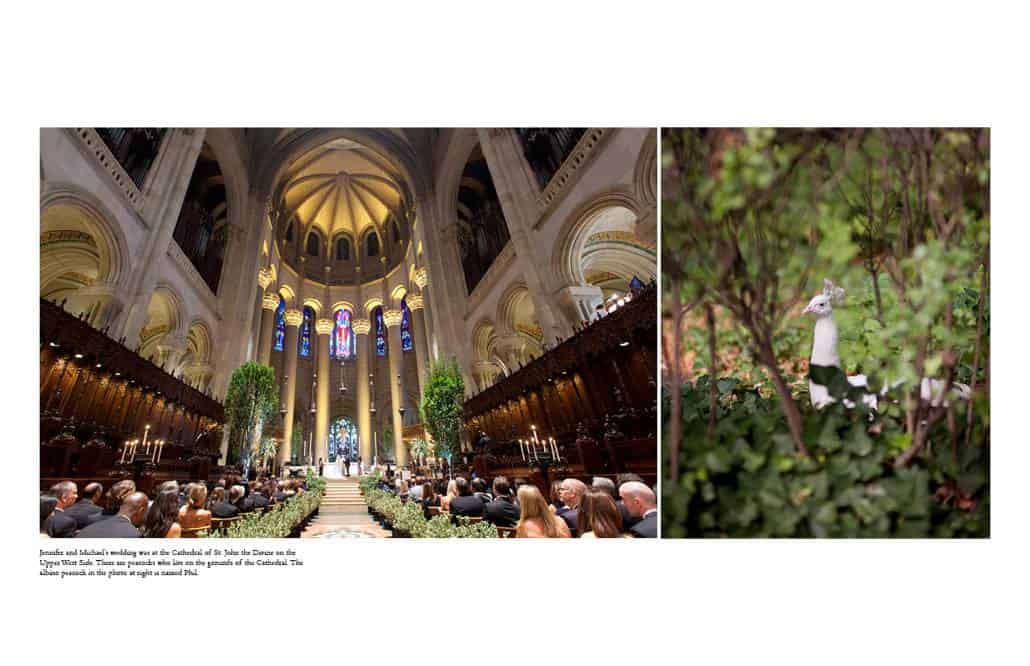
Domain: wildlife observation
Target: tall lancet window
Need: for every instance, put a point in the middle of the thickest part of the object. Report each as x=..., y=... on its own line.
x=406, y=344
x=280, y=325
x=304, y=342
x=342, y=344
x=380, y=332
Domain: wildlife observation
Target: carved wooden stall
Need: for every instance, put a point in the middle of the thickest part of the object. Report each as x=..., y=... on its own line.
x=594, y=394
x=96, y=394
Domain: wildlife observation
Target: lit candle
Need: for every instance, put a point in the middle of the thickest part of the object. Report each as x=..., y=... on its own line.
x=522, y=450
x=125, y=447
x=146, y=434
x=160, y=448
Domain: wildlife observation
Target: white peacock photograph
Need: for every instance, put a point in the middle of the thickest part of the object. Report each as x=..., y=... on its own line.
x=826, y=332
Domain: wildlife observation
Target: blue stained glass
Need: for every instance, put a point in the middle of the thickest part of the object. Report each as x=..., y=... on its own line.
x=343, y=440
x=304, y=343
x=342, y=344
x=406, y=343
x=280, y=325
x=380, y=332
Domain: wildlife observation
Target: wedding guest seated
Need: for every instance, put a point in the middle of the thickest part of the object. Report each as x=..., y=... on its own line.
x=452, y=492
x=236, y=498
x=216, y=496
x=280, y=492
x=60, y=525
x=46, y=508
x=555, y=495
x=479, y=490
x=605, y=484
x=466, y=504
x=221, y=508
x=428, y=498
x=570, y=493
x=415, y=489
x=256, y=499
x=598, y=517
x=194, y=515
x=628, y=519
x=501, y=511
x=536, y=520
x=115, y=495
x=123, y=525
x=87, y=506
x=642, y=503
x=161, y=521
x=402, y=490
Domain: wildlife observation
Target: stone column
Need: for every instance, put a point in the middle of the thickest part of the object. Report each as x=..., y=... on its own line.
x=415, y=305
x=361, y=328
x=269, y=304
x=517, y=190
x=324, y=328
x=425, y=317
x=170, y=176
x=392, y=319
x=293, y=319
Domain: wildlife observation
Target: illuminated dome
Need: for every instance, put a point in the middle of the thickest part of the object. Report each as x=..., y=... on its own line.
x=342, y=206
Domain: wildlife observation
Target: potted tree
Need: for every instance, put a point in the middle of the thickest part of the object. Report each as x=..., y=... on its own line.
x=440, y=408
x=250, y=403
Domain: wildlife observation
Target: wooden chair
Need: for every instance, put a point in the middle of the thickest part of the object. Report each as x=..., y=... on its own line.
x=223, y=524
x=505, y=532
x=193, y=532
x=434, y=511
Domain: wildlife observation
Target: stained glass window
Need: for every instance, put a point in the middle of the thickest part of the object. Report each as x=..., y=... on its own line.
x=380, y=332
x=304, y=342
x=343, y=440
x=342, y=344
x=406, y=344
x=280, y=325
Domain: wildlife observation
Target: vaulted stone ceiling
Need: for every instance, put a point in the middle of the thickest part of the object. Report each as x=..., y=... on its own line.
x=343, y=187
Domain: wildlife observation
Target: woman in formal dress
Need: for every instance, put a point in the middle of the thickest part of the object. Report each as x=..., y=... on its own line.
x=598, y=516
x=537, y=520
x=194, y=515
x=452, y=492
x=161, y=521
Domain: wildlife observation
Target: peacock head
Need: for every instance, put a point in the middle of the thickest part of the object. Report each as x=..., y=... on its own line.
x=822, y=305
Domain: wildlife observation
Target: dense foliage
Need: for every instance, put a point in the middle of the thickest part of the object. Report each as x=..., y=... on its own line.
x=408, y=517
x=278, y=522
x=441, y=404
x=753, y=221
x=747, y=480
x=250, y=404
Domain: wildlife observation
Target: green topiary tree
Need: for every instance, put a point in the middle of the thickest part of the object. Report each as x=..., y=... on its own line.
x=250, y=404
x=440, y=408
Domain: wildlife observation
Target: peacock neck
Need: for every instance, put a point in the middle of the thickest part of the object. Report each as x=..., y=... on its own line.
x=824, y=344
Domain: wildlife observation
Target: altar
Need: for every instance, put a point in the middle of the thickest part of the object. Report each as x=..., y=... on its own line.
x=334, y=470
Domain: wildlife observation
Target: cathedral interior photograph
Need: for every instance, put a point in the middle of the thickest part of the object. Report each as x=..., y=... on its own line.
x=348, y=333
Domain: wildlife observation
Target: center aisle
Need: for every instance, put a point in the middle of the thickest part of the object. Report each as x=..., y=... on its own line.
x=343, y=514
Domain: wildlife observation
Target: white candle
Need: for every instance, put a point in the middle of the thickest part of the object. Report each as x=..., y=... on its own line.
x=522, y=450
x=146, y=434
x=125, y=447
x=160, y=448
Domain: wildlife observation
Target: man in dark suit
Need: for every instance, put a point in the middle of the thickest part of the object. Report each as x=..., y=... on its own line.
x=466, y=504
x=228, y=509
x=641, y=502
x=570, y=492
x=124, y=525
x=237, y=498
x=502, y=511
x=256, y=499
x=88, y=506
x=60, y=525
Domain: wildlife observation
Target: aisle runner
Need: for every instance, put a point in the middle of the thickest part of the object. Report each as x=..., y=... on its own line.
x=343, y=514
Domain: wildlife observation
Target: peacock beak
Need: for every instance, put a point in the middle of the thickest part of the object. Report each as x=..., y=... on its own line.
x=808, y=308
